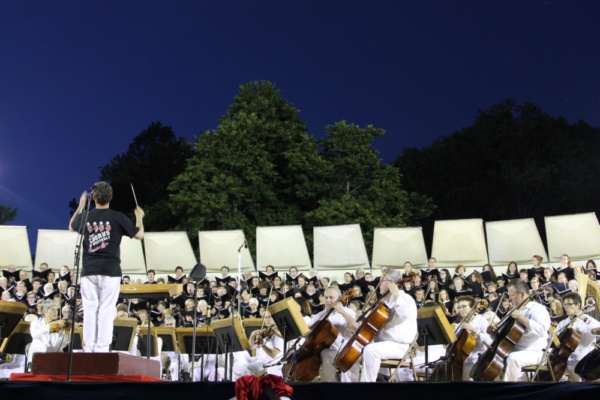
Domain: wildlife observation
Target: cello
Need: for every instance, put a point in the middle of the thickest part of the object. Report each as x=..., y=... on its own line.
x=304, y=367
x=569, y=340
x=372, y=323
x=506, y=336
x=456, y=353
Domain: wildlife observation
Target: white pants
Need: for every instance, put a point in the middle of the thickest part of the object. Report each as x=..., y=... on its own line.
x=374, y=353
x=517, y=360
x=99, y=295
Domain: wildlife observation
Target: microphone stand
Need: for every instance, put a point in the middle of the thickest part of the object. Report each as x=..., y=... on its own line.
x=82, y=224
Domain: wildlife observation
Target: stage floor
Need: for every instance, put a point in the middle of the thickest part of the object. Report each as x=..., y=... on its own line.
x=302, y=391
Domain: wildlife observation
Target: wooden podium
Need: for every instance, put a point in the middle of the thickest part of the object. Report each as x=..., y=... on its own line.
x=106, y=364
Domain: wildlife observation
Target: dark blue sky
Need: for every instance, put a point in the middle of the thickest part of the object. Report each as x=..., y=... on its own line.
x=80, y=79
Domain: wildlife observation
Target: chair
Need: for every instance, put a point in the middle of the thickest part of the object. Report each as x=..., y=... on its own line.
x=396, y=364
x=532, y=371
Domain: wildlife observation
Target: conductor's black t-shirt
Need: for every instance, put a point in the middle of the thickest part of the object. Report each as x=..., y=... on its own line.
x=101, y=241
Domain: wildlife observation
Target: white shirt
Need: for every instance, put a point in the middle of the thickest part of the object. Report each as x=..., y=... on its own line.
x=584, y=328
x=339, y=322
x=401, y=326
x=536, y=337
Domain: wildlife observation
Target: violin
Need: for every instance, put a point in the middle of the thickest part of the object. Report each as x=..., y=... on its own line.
x=62, y=325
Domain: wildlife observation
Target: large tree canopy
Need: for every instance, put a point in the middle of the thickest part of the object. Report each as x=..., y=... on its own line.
x=261, y=168
x=258, y=168
x=363, y=190
x=514, y=162
x=154, y=158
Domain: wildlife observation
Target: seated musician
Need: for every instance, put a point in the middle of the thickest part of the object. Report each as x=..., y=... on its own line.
x=268, y=345
x=477, y=326
x=395, y=337
x=341, y=318
x=48, y=333
x=585, y=325
x=536, y=320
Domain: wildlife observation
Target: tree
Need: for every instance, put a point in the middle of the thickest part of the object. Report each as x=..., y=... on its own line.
x=362, y=189
x=7, y=214
x=154, y=158
x=258, y=168
x=514, y=162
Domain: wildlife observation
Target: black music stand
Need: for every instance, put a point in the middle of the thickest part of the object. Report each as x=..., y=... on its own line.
x=124, y=332
x=10, y=315
x=17, y=341
x=205, y=343
x=289, y=321
x=231, y=337
x=433, y=328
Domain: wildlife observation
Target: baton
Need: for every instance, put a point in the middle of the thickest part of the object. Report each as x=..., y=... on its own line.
x=134, y=198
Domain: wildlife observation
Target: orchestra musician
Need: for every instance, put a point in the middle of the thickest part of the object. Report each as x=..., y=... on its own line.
x=341, y=318
x=536, y=320
x=395, y=337
x=477, y=326
x=268, y=345
x=585, y=325
x=47, y=333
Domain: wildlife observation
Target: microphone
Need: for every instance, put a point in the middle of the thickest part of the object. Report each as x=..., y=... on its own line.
x=245, y=244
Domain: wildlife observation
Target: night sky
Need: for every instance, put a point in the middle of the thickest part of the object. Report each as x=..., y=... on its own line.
x=80, y=79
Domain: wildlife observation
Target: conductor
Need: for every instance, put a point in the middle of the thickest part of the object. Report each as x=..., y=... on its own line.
x=101, y=272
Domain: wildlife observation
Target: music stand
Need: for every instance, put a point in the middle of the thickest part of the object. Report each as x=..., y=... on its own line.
x=204, y=340
x=10, y=315
x=288, y=318
x=17, y=341
x=124, y=331
x=78, y=340
x=433, y=328
x=143, y=343
x=231, y=337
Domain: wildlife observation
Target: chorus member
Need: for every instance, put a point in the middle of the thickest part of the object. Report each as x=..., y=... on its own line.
x=342, y=318
x=47, y=333
x=536, y=320
x=477, y=327
x=585, y=325
x=101, y=273
x=395, y=337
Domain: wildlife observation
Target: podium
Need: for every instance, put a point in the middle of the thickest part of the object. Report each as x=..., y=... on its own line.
x=105, y=364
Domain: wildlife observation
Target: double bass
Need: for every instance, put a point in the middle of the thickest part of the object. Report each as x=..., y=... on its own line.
x=371, y=324
x=506, y=336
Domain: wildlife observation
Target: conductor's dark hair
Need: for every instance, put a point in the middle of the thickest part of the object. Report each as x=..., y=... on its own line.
x=103, y=193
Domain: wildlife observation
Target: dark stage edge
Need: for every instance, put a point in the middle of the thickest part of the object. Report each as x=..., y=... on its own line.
x=302, y=391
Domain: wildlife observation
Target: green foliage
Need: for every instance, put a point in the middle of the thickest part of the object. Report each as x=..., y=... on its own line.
x=258, y=168
x=363, y=190
x=151, y=162
x=261, y=168
x=513, y=162
x=7, y=214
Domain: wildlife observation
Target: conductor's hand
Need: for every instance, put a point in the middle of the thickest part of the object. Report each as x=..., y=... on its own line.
x=83, y=198
x=139, y=213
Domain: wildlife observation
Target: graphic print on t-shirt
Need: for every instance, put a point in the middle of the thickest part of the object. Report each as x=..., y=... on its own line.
x=100, y=238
